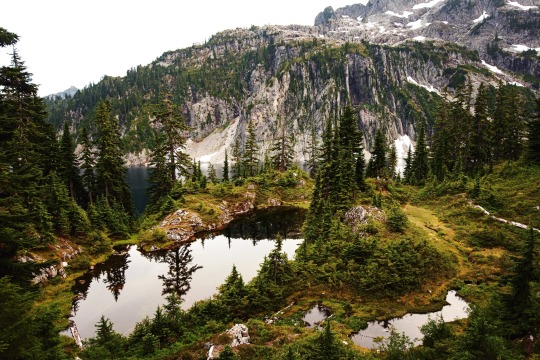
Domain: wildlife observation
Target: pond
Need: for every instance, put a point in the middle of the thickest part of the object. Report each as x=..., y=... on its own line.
x=410, y=324
x=132, y=284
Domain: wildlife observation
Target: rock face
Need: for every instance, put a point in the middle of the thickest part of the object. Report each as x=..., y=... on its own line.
x=239, y=334
x=182, y=225
x=63, y=250
x=360, y=215
x=389, y=58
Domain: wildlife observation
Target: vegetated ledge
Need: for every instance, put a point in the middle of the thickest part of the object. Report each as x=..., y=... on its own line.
x=213, y=213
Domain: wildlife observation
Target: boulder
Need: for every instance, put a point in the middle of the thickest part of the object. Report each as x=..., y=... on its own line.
x=239, y=334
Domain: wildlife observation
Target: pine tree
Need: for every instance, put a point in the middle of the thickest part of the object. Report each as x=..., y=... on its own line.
x=225, y=177
x=282, y=150
x=212, y=177
x=378, y=157
x=479, y=149
x=407, y=172
x=88, y=163
x=68, y=168
x=533, y=145
x=441, y=141
x=237, y=159
x=251, y=149
x=171, y=125
x=392, y=161
x=110, y=171
x=420, y=162
x=159, y=178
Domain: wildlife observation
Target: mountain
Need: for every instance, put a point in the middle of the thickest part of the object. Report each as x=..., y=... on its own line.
x=304, y=75
x=63, y=94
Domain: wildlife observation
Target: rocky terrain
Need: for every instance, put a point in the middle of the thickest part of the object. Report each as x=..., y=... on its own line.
x=388, y=58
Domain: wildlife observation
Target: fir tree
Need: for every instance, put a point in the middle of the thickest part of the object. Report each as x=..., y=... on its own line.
x=88, y=163
x=237, y=159
x=225, y=177
x=392, y=161
x=378, y=157
x=212, y=177
x=479, y=149
x=110, y=171
x=420, y=162
x=533, y=144
x=251, y=149
x=282, y=150
x=441, y=141
x=407, y=171
x=68, y=168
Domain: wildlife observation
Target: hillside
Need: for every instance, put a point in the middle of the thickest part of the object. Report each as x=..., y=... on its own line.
x=389, y=59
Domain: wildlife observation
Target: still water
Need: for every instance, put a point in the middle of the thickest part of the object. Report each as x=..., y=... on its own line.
x=137, y=180
x=410, y=324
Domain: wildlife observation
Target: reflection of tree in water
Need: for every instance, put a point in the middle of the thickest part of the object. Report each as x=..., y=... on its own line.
x=115, y=275
x=178, y=278
x=267, y=224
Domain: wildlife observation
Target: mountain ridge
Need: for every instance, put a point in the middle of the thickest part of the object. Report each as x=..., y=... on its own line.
x=302, y=75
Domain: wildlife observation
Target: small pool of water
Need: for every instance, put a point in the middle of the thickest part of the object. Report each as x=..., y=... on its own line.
x=317, y=314
x=410, y=324
x=129, y=287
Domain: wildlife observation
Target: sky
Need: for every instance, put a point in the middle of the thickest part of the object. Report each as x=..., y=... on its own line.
x=76, y=42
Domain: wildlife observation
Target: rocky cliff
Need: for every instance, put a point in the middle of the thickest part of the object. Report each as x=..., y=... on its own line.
x=389, y=59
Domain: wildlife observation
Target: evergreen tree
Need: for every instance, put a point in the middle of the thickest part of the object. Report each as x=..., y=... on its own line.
x=392, y=161
x=533, y=145
x=225, y=168
x=479, y=149
x=110, y=171
x=313, y=151
x=441, y=146
x=68, y=168
x=167, y=157
x=420, y=162
x=27, y=153
x=377, y=168
x=88, y=163
x=237, y=159
x=408, y=166
x=212, y=177
x=282, y=150
x=251, y=149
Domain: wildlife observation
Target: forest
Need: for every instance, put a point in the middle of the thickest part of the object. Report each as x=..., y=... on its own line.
x=484, y=150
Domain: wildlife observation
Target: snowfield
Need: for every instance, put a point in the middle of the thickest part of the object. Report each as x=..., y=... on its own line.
x=519, y=6
x=429, y=4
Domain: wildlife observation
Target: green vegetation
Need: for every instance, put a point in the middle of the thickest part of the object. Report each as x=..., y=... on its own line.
x=376, y=245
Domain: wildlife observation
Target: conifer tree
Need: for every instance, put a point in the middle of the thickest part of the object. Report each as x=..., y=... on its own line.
x=378, y=157
x=159, y=177
x=68, y=168
x=479, y=148
x=441, y=141
x=282, y=150
x=251, y=149
x=238, y=166
x=533, y=145
x=110, y=172
x=88, y=163
x=212, y=177
x=420, y=162
x=407, y=173
x=225, y=176
x=392, y=161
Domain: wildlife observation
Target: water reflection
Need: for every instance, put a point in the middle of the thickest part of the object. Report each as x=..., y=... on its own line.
x=410, y=324
x=178, y=278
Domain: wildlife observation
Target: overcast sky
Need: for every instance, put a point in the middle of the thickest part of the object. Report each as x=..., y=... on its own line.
x=75, y=42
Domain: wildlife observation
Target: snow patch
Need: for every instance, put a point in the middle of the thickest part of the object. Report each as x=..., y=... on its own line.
x=345, y=16
x=481, y=17
x=405, y=14
x=515, y=83
x=398, y=24
x=402, y=143
x=429, y=4
x=419, y=38
x=492, y=68
x=321, y=36
x=520, y=48
x=429, y=88
x=519, y=6
x=414, y=25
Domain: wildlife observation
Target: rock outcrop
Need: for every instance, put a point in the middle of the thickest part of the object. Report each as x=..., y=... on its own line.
x=239, y=334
